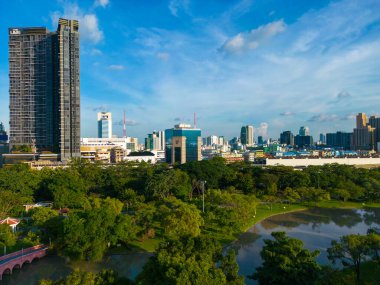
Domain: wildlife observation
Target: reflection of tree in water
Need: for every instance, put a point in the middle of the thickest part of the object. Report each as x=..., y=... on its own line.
x=245, y=240
x=315, y=217
x=372, y=215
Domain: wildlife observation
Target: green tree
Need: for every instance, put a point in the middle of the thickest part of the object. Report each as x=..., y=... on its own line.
x=77, y=277
x=8, y=202
x=351, y=250
x=231, y=269
x=87, y=234
x=188, y=261
x=291, y=195
x=42, y=214
x=180, y=219
x=7, y=237
x=285, y=261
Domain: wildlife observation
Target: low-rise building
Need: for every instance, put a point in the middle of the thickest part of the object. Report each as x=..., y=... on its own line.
x=139, y=156
x=12, y=222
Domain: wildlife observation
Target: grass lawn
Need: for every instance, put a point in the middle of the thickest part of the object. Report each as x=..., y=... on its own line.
x=149, y=245
x=263, y=212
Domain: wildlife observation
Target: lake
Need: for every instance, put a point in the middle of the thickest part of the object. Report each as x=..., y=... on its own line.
x=316, y=228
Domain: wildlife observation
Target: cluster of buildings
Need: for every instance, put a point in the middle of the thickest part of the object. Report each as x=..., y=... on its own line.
x=44, y=90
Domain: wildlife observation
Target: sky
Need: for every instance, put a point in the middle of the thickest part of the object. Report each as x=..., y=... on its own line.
x=273, y=64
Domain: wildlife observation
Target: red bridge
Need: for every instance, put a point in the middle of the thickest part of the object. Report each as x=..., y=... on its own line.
x=16, y=260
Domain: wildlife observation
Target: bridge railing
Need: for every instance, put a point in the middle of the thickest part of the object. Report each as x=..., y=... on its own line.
x=24, y=251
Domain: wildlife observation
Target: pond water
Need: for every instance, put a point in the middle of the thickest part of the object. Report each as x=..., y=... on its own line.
x=316, y=228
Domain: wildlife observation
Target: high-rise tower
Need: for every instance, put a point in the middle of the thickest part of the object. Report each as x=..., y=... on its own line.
x=44, y=88
x=29, y=96
x=104, y=125
x=247, y=135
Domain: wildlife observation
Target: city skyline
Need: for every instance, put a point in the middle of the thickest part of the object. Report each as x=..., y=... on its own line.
x=274, y=66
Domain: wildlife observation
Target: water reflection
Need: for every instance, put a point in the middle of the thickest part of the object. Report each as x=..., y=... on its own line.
x=316, y=228
x=127, y=264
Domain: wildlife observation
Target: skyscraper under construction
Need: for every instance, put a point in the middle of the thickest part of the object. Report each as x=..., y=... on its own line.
x=44, y=88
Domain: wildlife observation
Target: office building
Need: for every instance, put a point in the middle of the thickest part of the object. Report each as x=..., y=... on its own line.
x=287, y=138
x=44, y=88
x=182, y=144
x=303, y=141
x=322, y=138
x=304, y=131
x=339, y=140
x=374, y=122
x=155, y=141
x=212, y=141
x=247, y=135
x=3, y=134
x=363, y=137
x=260, y=140
x=104, y=125
x=361, y=120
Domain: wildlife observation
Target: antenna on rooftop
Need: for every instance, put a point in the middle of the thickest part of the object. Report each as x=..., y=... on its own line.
x=125, y=126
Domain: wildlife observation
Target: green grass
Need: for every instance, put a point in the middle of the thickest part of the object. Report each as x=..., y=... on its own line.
x=149, y=245
x=264, y=211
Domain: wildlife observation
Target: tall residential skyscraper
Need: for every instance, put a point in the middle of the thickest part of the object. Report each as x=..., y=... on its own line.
x=44, y=88
x=104, y=125
x=246, y=135
x=29, y=96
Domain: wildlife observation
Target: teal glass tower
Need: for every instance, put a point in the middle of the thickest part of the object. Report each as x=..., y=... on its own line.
x=182, y=144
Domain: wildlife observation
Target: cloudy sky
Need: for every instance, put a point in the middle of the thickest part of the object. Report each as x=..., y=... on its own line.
x=275, y=64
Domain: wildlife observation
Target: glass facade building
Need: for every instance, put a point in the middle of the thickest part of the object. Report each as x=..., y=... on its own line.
x=104, y=125
x=182, y=144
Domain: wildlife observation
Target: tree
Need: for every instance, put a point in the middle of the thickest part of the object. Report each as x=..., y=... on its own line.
x=285, y=261
x=291, y=195
x=374, y=245
x=42, y=214
x=351, y=250
x=77, y=277
x=180, y=219
x=8, y=201
x=231, y=269
x=7, y=237
x=188, y=261
x=87, y=234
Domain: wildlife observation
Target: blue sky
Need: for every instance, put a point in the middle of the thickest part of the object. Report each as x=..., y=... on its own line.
x=276, y=64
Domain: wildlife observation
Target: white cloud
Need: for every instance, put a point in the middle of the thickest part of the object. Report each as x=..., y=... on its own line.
x=323, y=118
x=175, y=6
x=116, y=67
x=163, y=56
x=102, y=3
x=287, y=113
x=95, y=51
x=302, y=70
x=88, y=22
x=254, y=38
x=263, y=130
